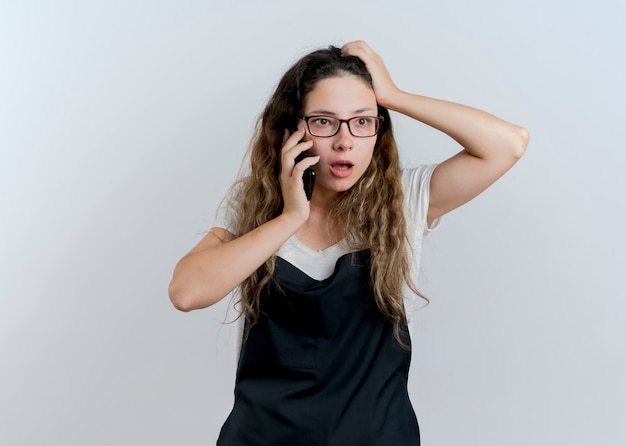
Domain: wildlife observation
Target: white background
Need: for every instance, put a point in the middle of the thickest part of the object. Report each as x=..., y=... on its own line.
x=122, y=123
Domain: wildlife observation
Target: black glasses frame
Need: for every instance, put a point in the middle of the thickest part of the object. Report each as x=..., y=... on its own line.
x=380, y=120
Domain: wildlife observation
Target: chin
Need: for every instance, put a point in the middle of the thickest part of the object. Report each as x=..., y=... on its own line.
x=333, y=187
x=344, y=186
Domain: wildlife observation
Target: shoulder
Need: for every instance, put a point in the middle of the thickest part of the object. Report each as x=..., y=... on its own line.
x=416, y=183
x=230, y=207
x=416, y=188
x=417, y=176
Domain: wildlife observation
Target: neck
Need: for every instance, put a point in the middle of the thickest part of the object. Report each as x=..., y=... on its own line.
x=321, y=200
x=318, y=231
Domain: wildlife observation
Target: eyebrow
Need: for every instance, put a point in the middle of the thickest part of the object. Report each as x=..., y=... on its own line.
x=330, y=113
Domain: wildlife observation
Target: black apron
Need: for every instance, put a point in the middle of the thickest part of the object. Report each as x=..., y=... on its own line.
x=321, y=367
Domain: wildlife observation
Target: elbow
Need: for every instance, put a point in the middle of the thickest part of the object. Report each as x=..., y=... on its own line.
x=520, y=142
x=181, y=298
x=187, y=298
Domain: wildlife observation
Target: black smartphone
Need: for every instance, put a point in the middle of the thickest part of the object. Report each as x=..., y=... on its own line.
x=308, y=177
x=309, y=181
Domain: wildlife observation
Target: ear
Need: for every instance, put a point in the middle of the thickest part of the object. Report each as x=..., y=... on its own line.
x=300, y=123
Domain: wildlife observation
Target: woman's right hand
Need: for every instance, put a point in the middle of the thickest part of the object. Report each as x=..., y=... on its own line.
x=296, y=204
x=221, y=261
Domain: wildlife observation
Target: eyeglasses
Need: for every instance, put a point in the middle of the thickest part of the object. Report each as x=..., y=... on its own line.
x=327, y=126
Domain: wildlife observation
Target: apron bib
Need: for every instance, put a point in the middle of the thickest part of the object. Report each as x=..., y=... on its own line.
x=321, y=367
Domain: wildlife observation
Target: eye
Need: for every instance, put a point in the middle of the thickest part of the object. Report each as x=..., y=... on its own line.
x=321, y=122
x=364, y=121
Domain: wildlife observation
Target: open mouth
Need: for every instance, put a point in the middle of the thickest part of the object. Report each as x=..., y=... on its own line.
x=341, y=168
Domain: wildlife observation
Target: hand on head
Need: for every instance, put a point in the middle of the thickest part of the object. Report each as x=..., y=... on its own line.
x=384, y=87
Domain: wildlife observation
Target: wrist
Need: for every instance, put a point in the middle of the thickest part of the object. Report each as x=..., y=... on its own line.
x=392, y=100
x=291, y=221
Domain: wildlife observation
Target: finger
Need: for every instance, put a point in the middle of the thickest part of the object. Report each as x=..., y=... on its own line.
x=357, y=48
x=355, y=44
x=305, y=163
x=291, y=140
x=290, y=153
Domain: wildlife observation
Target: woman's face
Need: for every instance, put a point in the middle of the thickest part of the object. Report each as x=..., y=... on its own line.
x=343, y=157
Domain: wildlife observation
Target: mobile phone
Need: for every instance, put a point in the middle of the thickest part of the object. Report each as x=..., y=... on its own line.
x=308, y=177
x=309, y=181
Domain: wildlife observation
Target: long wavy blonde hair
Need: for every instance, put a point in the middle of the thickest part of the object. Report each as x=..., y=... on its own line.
x=368, y=216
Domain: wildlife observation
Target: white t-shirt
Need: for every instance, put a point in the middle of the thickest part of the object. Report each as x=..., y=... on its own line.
x=320, y=264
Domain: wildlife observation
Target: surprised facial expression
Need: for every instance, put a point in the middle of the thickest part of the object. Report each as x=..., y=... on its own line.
x=343, y=157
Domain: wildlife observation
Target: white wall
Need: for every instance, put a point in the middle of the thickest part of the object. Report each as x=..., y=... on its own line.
x=122, y=123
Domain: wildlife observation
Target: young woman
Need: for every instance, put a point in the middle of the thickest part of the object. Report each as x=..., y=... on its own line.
x=325, y=353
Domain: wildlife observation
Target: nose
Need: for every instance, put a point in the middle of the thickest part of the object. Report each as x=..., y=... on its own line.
x=344, y=139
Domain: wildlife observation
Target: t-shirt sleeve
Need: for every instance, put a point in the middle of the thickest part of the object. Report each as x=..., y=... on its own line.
x=416, y=184
x=226, y=211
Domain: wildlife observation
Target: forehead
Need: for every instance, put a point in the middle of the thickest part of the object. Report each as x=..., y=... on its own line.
x=340, y=95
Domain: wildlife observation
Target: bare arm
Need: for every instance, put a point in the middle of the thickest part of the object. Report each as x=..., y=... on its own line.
x=491, y=146
x=220, y=262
